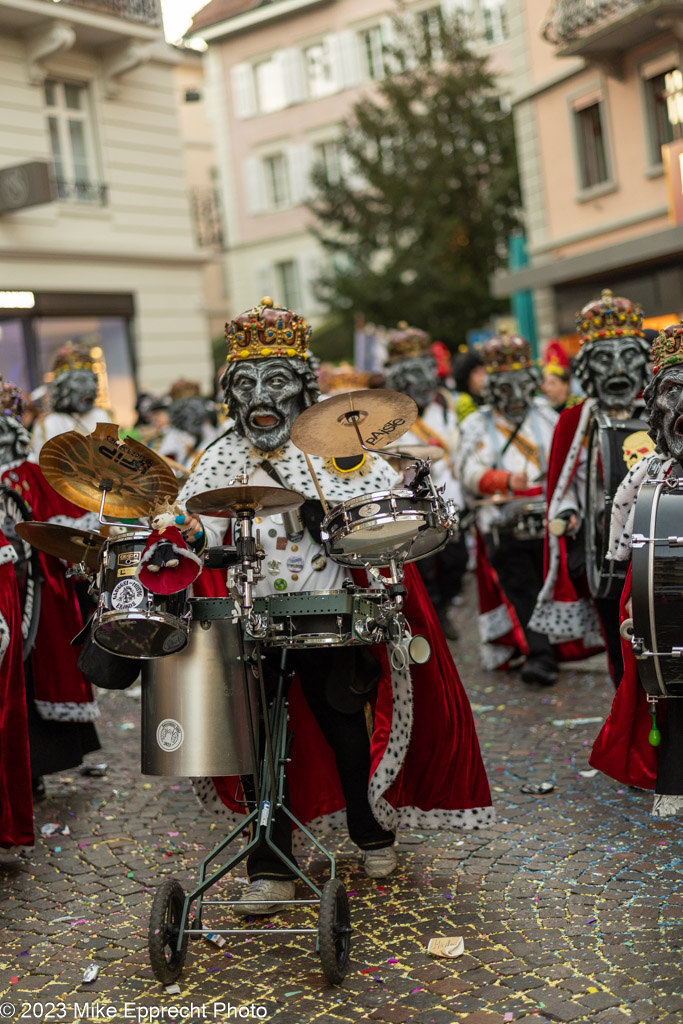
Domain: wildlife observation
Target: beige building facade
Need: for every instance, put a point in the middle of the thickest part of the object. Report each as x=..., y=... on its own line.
x=280, y=80
x=597, y=93
x=96, y=237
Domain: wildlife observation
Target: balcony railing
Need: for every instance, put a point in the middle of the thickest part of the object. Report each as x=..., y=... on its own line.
x=145, y=12
x=206, y=215
x=571, y=19
x=81, y=191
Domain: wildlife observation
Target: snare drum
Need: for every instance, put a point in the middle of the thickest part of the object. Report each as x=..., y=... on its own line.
x=613, y=447
x=377, y=527
x=529, y=522
x=657, y=587
x=130, y=620
x=309, y=619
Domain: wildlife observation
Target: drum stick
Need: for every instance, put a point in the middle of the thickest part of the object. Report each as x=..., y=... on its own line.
x=317, y=483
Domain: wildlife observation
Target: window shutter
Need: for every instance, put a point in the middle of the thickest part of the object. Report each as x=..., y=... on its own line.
x=243, y=92
x=299, y=159
x=310, y=267
x=279, y=81
x=265, y=281
x=345, y=58
x=254, y=185
x=293, y=77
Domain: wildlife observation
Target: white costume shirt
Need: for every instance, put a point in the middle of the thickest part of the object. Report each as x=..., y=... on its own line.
x=292, y=566
x=444, y=423
x=59, y=422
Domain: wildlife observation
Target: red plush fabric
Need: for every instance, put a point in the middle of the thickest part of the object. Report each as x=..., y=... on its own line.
x=621, y=749
x=492, y=596
x=56, y=678
x=16, y=801
x=442, y=767
x=169, y=579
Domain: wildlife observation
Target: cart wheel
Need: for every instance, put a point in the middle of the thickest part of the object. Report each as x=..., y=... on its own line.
x=164, y=924
x=334, y=931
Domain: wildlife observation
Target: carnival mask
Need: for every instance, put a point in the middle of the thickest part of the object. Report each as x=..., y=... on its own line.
x=416, y=378
x=265, y=396
x=665, y=408
x=190, y=414
x=511, y=392
x=74, y=391
x=14, y=441
x=614, y=370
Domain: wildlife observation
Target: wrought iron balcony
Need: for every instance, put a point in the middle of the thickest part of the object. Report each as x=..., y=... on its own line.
x=605, y=29
x=82, y=191
x=145, y=12
x=206, y=215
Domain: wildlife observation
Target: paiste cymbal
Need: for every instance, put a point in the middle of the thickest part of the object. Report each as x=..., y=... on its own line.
x=63, y=541
x=228, y=502
x=79, y=465
x=416, y=451
x=383, y=417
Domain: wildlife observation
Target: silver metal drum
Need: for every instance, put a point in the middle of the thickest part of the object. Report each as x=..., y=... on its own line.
x=194, y=709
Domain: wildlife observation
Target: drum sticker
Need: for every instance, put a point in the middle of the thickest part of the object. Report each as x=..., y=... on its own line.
x=173, y=642
x=128, y=570
x=127, y=594
x=319, y=562
x=129, y=558
x=280, y=584
x=295, y=563
x=170, y=735
x=274, y=567
x=281, y=543
x=368, y=510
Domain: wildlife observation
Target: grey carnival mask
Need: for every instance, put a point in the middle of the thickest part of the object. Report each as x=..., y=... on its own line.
x=511, y=392
x=664, y=399
x=74, y=391
x=416, y=378
x=14, y=441
x=265, y=396
x=614, y=370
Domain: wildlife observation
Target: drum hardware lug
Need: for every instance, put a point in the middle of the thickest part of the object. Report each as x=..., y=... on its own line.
x=675, y=542
x=638, y=645
x=205, y=624
x=639, y=540
x=676, y=652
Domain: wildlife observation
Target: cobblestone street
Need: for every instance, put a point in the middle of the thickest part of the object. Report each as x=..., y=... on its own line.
x=571, y=907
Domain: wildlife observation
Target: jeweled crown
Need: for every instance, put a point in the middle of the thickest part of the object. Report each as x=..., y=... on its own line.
x=609, y=317
x=508, y=352
x=667, y=348
x=182, y=388
x=267, y=330
x=71, y=357
x=342, y=378
x=12, y=400
x=405, y=342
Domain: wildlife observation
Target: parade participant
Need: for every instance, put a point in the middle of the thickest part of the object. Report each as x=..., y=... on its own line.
x=60, y=703
x=557, y=378
x=421, y=765
x=411, y=368
x=72, y=398
x=16, y=807
x=502, y=468
x=625, y=748
x=612, y=367
x=470, y=376
x=193, y=417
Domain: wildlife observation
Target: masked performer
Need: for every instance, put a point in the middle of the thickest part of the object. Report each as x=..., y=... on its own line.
x=16, y=807
x=61, y=707
x=412, y=369
x=627, y=748
x=421, y=765
x=72, y=398
x=192, y=417
x=612, y=367
x=503, y=462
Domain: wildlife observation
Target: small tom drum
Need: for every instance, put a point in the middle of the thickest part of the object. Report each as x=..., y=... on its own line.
x=529, y=522
x=130, y=620
x=384, y=525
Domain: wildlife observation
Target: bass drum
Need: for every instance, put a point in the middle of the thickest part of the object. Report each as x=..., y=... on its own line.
x=613, y=448
x=657, y=587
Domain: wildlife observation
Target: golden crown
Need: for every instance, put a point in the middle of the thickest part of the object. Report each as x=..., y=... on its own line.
x=182, y=388
x=12, y=400
x=406, y=342
x=508, y=352
x=342, y=378
x=267, y=330
x=609, y=317
x=667, y=348
x=71, y=357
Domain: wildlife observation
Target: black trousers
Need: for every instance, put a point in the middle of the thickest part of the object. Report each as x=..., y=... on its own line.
x=324, y=676
x=608, y=610
x=519, y=565
x=444, y=572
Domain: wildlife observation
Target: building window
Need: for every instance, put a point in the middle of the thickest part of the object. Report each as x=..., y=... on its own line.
x=494, y=21
x=431, y=27
x=664, y=94
x=319, y=71
x=327, y=156
x=289, y=286
x=193, y=95
x=276, y=180
x=592, y=146
x=372, y=52
x=268, y=86
x=71, y=140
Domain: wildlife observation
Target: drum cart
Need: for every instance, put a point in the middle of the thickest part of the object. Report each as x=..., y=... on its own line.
x=177, y=915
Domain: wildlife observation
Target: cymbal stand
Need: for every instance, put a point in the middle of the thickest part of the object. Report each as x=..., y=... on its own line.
x=247, y=571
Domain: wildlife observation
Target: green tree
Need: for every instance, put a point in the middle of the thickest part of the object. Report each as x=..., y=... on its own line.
x=419, y=218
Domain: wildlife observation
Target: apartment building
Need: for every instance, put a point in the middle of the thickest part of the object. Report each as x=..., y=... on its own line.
x=96, y=236
x=281, y=77
x=598, y=104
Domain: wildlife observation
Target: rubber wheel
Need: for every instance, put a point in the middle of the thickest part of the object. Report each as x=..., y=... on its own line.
x=334, y=931
x=164, y=924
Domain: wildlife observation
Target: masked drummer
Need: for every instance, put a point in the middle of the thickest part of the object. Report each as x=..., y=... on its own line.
x=390, y=775
x=412, y=369
x=502, y=468
x=624, y=749
x=72, y=398
x=612, y=367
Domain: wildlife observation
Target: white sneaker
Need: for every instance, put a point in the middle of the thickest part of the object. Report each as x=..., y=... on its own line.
x=263, y=890
x=380, y=863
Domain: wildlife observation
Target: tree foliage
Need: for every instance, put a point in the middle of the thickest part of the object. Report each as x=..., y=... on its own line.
x=428, y=193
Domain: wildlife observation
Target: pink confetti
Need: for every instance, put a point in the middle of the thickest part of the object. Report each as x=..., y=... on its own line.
x=414, y=990
x=509, y=1016
x=392, y=961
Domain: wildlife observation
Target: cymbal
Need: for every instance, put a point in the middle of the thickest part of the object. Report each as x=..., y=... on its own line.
x=228, y=502
x=383, y=417
x=63, y=541
x=78, y=465
x=416, y=451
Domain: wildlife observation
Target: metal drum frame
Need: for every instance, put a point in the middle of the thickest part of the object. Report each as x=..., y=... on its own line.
x=177, y=915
